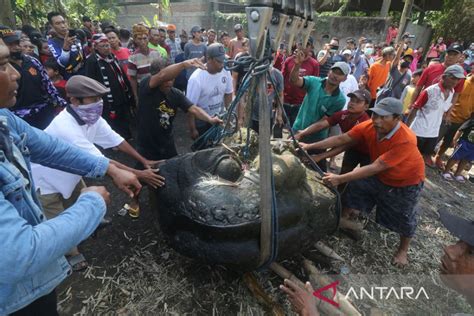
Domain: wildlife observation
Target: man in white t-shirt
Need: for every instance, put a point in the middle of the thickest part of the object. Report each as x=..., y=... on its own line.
x=82, y=125
x=428, y=110
x=210, y=89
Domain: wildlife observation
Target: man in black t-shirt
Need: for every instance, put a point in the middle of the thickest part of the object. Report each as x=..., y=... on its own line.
x=158, y=103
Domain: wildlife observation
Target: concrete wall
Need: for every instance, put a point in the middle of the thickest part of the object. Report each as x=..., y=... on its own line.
x=345, y=27
x=422, y=34
x=187, y=14
x=184, y=14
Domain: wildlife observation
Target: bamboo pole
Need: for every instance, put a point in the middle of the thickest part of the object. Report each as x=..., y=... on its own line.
x=321, y=280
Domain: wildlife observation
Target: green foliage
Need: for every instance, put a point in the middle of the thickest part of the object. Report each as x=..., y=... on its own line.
x=34, y=12
x=226, y=21
x=455, y=21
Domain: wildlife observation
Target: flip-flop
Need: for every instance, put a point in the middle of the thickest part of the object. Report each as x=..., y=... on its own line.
x=460, y=179
x=439, y=164
x=78, y=262
x=447, y=176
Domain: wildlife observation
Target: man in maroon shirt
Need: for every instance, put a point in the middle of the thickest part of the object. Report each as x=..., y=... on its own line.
x=292, y=95
x=432, y=74
x=347, y=119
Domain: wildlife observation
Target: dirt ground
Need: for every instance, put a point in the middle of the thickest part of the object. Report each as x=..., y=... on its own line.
x=133, y=271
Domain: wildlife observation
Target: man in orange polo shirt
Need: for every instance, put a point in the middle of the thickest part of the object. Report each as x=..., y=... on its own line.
x=378, y=71
x=394, y=179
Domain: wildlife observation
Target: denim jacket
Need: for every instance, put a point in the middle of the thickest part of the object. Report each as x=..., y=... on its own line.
x=32, y=261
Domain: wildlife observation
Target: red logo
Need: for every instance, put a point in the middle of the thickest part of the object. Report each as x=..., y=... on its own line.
x=333, y=286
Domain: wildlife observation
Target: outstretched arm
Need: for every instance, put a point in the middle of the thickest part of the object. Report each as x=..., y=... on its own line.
x=359, y=173
x=172, y=71
x=203, y=116
x=313, y=128
x=331, y=142
x=295, y=79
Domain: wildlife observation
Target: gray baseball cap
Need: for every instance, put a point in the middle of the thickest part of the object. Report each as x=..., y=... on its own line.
x=195, y=29
x=216, y=51
x=238, y=27
x=388, y=106
x=458, y=226
x=342, y=66
x=455, y=71
x=82, y=87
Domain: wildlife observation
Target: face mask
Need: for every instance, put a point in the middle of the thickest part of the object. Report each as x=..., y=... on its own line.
x=405, y=46
x=89, y=113
x=369, y=51
x=16, y=55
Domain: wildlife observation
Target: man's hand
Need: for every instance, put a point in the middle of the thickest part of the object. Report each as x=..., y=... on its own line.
x=298, y=135
x=68, y=42
x=124, y=180
x=304, y=145
x=332, y=179
x=362, y=40
x=302, y=300
x=216, y=120
x=151, y=177
x=299, y=57
x=150, y=164
x=194, y=134
x=195, y=62
x=98, y=189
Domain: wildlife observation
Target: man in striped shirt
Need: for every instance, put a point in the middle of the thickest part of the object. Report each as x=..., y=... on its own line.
x=141, y=59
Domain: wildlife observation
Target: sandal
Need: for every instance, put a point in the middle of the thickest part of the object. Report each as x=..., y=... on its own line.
x=78, y=262
x=447, y=176
x=439, y=164
x=133, y=212
x=460, y=179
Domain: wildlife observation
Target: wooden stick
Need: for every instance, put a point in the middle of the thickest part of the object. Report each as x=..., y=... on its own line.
x=285, y=274
x=260, y=294
x=325, y=307
x=320, y=280
x=327, y=251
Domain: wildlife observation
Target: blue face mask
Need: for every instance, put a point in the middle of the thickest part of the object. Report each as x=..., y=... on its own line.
x=368, y=51
x=90, y=113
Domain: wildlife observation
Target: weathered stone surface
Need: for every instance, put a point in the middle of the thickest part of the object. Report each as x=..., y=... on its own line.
x=209, y=208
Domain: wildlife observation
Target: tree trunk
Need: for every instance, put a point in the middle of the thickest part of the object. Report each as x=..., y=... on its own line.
x=6, y=13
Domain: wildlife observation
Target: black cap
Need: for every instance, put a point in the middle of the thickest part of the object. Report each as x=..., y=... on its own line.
x=8, y=35
x=85, y=18
x=455, y=48
x=361, y=94
x=458, y=226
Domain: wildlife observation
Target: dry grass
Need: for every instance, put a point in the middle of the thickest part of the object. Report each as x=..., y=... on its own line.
x=152, y=279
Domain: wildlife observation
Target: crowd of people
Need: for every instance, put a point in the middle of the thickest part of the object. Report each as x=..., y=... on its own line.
x=390, y=108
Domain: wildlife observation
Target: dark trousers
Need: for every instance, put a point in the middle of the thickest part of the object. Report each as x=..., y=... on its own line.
x=202, y=126
x=119, y=119
x=277, y=130
x=291, y=112
x=322, y=163
x=43, y=306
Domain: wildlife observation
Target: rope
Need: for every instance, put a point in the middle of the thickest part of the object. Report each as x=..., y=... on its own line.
x=216, y=133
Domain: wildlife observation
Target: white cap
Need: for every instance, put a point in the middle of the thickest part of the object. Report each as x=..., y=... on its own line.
x=347, y=52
